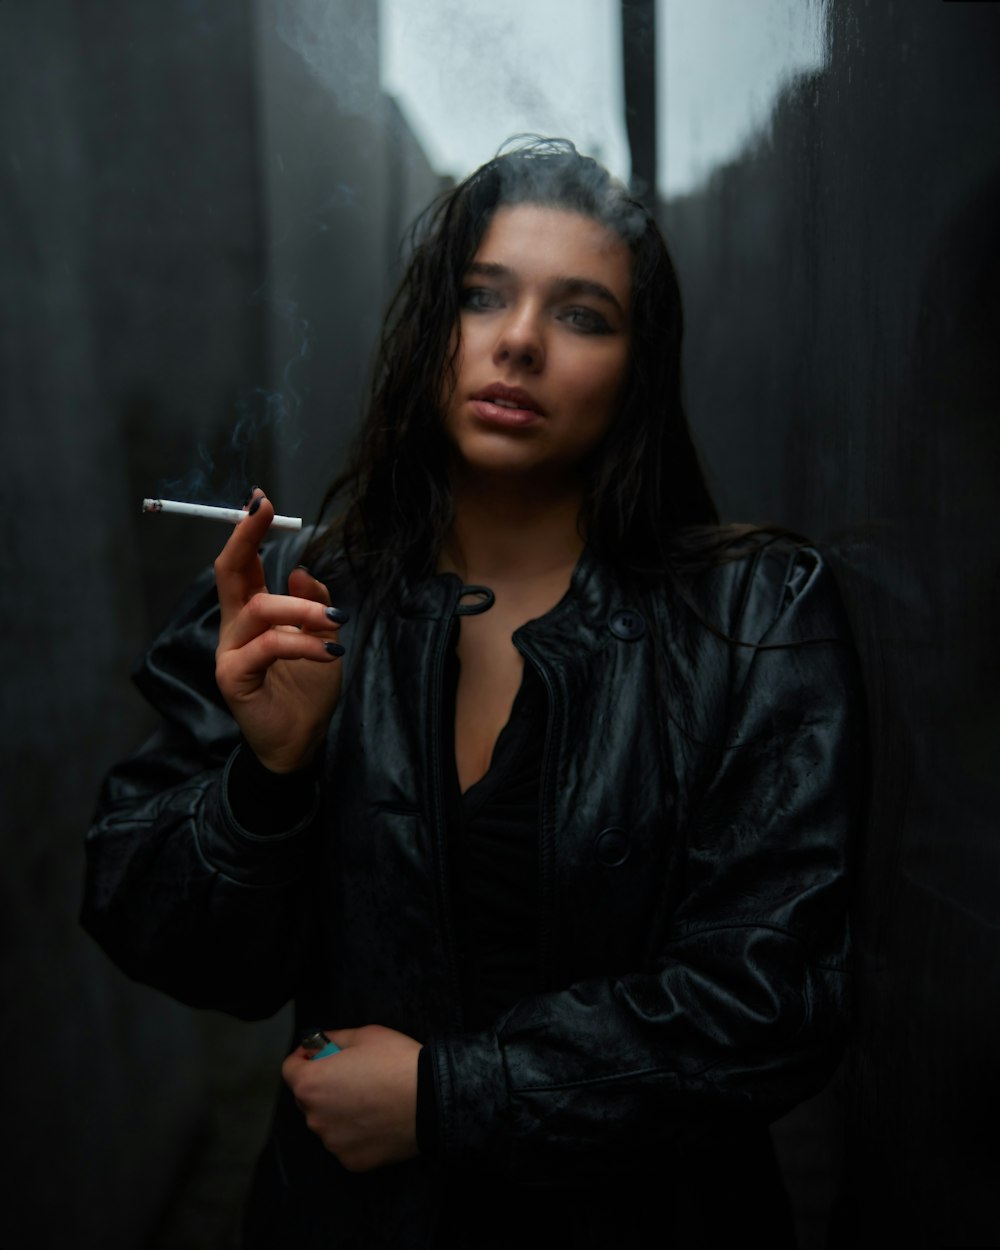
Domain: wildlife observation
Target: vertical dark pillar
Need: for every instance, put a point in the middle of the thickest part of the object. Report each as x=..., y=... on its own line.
x=639, y=76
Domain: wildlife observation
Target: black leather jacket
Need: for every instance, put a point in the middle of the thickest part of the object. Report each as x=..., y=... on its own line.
x=697, y=801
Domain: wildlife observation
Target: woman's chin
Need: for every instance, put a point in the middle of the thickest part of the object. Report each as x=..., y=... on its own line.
x=508, y=466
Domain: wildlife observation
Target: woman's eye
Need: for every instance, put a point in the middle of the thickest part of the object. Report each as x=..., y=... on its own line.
x=586, y=320
x=479, y=298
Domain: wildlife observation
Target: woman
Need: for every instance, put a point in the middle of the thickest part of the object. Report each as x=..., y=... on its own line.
x=560, y=865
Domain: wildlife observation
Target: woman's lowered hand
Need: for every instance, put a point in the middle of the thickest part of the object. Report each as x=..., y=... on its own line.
x=277, y=662
x=362, y=1103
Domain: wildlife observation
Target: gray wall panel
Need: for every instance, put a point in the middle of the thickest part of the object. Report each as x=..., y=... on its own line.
x=841, y=278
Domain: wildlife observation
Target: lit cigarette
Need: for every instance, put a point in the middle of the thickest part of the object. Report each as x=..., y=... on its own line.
x=232, y=515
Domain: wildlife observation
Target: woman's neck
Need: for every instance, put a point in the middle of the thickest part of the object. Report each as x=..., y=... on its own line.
x=511, y=531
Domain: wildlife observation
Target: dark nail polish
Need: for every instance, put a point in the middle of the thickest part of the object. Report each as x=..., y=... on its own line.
x=305, y=568
x=334, y=648
x=254, y=506
x=249, y=497
x=335, y=614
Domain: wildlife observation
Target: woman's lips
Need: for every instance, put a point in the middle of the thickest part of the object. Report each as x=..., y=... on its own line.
x=503, y=415
x=506, y=406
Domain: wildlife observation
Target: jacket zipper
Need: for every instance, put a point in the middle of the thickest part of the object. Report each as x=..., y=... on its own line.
x=438, y=824
x=546, y=824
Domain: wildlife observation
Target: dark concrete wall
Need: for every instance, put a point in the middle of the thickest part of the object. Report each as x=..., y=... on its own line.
x=842, y=280
x=121, y=238
x=145, y=221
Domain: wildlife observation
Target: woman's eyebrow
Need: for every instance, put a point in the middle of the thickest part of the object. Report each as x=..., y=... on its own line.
x=587, y=286
x=563, y=285
x=488, y=269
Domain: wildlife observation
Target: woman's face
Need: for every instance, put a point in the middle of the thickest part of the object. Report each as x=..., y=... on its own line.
x=543, y=342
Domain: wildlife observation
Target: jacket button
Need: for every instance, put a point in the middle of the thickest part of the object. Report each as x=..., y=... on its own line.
x=612, y=847
x=627, y=625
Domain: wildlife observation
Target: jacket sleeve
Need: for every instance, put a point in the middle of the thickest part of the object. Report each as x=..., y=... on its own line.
x=177, y=892
x=743, y=1011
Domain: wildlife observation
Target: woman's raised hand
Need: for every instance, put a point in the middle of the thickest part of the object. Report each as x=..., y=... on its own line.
x=277, y=663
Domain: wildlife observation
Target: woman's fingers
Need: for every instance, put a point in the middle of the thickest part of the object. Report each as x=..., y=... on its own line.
x=241, y=672
x=282, y=708
x=267, y=612
x=302, y=584
x=362, y=1103
x=239, y=573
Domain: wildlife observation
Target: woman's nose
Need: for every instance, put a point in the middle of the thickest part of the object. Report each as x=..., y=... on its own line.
x=520, y=341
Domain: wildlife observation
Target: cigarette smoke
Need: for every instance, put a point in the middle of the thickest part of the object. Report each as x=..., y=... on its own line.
x=338, y=42
x=264, y=418
x=468, y=75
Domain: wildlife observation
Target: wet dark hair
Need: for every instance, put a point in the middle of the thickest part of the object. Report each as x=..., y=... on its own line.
x=647, y=507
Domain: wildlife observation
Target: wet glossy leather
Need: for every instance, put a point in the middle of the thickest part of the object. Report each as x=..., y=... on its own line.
x=693, y=870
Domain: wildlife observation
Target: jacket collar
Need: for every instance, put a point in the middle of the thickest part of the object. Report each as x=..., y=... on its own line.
x=578, y=621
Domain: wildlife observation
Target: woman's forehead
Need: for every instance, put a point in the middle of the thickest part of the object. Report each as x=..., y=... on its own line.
x=541, y=240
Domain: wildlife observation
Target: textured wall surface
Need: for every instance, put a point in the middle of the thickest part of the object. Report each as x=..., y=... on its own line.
x=164, y=169
x=107, y=367
x=842, y=280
